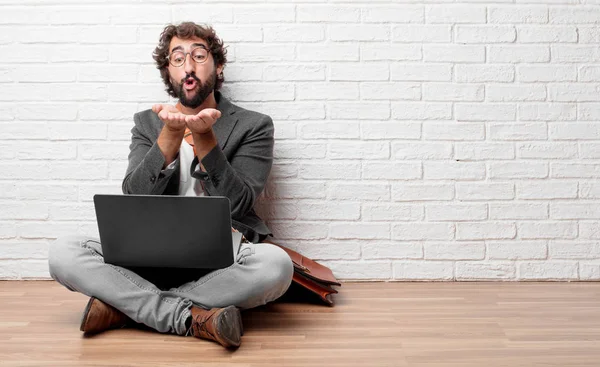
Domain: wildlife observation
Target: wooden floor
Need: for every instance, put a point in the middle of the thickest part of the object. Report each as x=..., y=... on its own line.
x=373, y=324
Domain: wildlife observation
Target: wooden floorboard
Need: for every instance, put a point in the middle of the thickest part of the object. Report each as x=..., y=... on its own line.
x=372, y=324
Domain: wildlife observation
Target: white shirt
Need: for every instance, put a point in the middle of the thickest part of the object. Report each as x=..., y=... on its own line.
x=188, y=185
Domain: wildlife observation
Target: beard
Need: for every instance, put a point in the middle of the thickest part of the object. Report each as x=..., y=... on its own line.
x=198, y=95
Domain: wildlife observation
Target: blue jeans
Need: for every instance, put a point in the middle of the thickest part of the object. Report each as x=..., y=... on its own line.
x=260, y=274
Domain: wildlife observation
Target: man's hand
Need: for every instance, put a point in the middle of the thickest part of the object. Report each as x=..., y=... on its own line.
x=170, y=115
x=202, y=122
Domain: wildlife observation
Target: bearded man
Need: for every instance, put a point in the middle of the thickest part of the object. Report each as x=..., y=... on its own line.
x=203, y=145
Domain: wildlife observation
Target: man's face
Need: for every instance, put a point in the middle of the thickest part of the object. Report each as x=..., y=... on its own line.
x=193, y=81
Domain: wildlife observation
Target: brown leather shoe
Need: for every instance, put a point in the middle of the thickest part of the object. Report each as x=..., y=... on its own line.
x=223, y=325
x=99, y=316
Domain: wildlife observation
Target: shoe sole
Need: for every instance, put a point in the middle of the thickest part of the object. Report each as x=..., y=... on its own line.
x=230, y=325
x=85, y=314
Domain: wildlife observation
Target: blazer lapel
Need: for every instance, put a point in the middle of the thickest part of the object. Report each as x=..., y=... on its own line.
x=225, y=124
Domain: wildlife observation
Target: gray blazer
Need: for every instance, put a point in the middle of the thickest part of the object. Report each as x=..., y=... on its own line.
x=238, y=167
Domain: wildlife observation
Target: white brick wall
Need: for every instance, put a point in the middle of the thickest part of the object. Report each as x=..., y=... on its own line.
x=414, y=141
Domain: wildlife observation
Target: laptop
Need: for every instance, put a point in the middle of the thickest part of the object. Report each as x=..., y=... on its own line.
x=153, y=231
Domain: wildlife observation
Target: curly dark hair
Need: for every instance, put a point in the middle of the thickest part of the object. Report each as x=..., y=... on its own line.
x=187, y=30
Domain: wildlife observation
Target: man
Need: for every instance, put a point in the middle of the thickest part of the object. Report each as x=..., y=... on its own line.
x=204, y=145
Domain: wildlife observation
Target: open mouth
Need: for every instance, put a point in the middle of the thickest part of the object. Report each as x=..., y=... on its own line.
x=189, y=84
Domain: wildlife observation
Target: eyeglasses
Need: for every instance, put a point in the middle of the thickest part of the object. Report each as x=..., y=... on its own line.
x=199, y=55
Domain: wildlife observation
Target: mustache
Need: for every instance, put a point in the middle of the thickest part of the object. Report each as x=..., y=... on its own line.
x=187, y=76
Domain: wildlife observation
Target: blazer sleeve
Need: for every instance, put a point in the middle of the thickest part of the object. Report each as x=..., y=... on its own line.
x=242, y=178
x=145, y=174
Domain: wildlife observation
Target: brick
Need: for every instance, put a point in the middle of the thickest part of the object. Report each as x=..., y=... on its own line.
x=485, y=34
x=483, y=151
x=518, y=53
x=518, y=169
x=72, y=212
x=402, y=150
x=267, y=52
x=456, y=212
x=327, y=13
x=574, y=210
x=23, y=210
x=516, y=250
x=359, y=230
x=547, y=150
x=328, y=52
x=263, y=14
x=453, y=131
x=422, y=33
x=327, y=91
x=363, y=33
x=333, y=170
x=391, y=212
x=251, y=92
x=421, y=111
x=574, y=170
x=547, y=270
x=202, y=13
x=391, y=171
x=589, y=111
x=289, y=189
x=518, y=131
x=24, y=249
x=574, y=250
x=442, y=13
x=298, y=230
x=453, y=53
x=358, y=150
x=330, y=130
x=547, y=111
x=452, y=170
x=47, y=150
x=539, y=34
x=289, y=110
x=293, y=73
x=362, y=111
x=423, y=270
x=518, y=211
x=422, y=231
x=575, y=53
x=588, y=190
x=515, y=92
x=574, y=15
x=360, y=270
x=392, y=250
x=393, y=14
x=294, y=33
x=483, y=73
x=358, y=72
x=420, y=192
x=454, y=251
x=546, y=73
x=421, y=72
x=589, y=270
x=328, y=211
x=47, y=191
x=574, y=131
x=359, y=191
x=484, y=271
x=541, y=230
x=485, y=112
x=387, y=91
x=390, y=130
x=484, y=191
x=485, y=231
x=518, y=14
